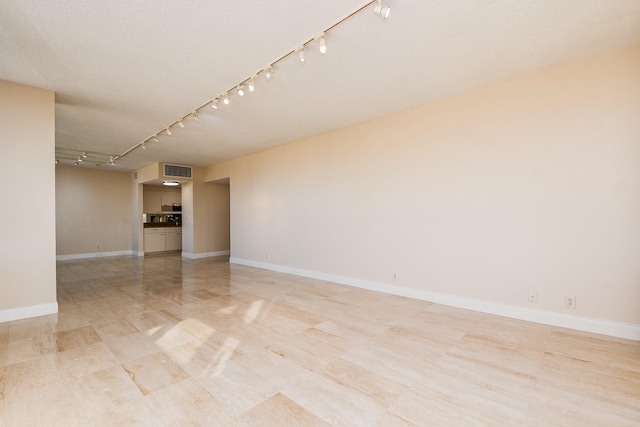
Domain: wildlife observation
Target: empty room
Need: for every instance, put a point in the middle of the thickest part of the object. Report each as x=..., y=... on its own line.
x=338, y=213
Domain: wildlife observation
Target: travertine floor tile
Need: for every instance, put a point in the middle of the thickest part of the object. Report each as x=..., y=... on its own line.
x=151, y=373
x=32, y=375
x=130, y=347
x=73, y=338
x=382, y=389
x=102, y=390
x=52, y=405
x=278, y=411
x=86, y=359
x=188, y=403
x=335, y=403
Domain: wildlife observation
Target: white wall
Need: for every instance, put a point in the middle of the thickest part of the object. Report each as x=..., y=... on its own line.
x=532, y=183
x=28, y=237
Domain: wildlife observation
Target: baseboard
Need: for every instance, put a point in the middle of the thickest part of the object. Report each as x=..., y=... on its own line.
x=27, y=312
x=95, y=255
x=587, y=324
x=204, y=254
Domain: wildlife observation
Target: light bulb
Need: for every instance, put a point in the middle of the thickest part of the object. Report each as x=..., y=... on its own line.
x=240, y=90
x=168, y=129
x=79, y=158
x=323, y=44
x=84, y=154
x=155, y=138
x=195, y=116
x=225, y=99
x=268, y=72
x=381, y=10
x=180, y=123
x=214, y=103
x=302, y=56
x=252, y=84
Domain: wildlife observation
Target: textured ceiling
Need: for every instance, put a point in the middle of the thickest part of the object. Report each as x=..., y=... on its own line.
x=122, y=71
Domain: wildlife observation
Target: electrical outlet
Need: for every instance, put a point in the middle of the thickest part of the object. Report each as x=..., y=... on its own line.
x=533, y=296
x=570, y=301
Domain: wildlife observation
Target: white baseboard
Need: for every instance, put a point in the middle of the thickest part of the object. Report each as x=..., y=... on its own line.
x=204, y=254
x=587, y=324
x=95, y=255
x=26, y=312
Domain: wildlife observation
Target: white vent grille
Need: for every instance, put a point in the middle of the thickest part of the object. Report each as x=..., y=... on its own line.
x=177, y=171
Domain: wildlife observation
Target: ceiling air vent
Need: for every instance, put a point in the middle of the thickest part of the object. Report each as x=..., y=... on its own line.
x=177, y=171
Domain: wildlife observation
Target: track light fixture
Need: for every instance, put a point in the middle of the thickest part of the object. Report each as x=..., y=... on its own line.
x=302, y=56
x=80, y=158
x=84, y=154
x=382, y=10
x=268, y=72
x=112, y=161
x=379, y=9
x=323, y=43
x=75, y=163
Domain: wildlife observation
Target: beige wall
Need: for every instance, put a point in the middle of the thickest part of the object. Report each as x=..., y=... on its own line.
x=532, y=183
x=205, y=217
x=93, y=210
x=27, y=242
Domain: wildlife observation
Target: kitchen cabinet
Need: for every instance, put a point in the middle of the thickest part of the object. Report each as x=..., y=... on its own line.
x=169, y=197
x=173, y=239
x=162, y=239
x=151, y=201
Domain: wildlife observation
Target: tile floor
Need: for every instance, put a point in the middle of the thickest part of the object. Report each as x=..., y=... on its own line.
x=162, y=341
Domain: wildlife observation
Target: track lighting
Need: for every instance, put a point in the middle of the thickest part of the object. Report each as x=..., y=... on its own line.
x=381, y=10
x=84, y=154
x=112, y=161
x=80, y=158
x=323, y=43
x=268, y=72
x=57, y=161
x=76, y=163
